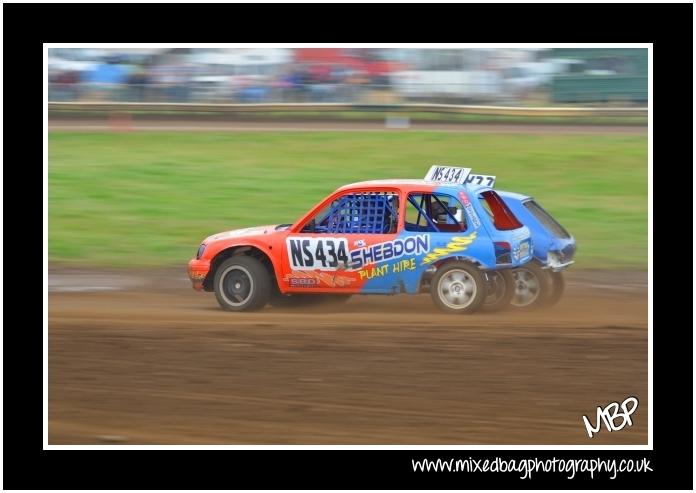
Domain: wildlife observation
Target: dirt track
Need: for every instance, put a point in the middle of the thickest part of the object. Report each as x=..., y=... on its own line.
x=140, y=358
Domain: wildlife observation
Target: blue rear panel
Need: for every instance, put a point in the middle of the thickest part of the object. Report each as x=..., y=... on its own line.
x=547, y=234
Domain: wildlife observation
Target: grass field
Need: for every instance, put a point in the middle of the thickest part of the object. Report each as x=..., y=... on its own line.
x=122, y=199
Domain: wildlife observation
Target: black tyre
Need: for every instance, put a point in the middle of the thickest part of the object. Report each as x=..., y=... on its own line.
x=242, y=283
x=501, y=289
x=458, y=287
x=557, y=288
x=532, y=286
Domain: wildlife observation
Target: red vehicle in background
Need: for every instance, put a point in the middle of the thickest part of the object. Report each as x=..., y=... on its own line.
x=322, y=60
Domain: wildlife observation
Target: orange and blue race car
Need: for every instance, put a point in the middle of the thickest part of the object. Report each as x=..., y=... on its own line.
x=457, y=241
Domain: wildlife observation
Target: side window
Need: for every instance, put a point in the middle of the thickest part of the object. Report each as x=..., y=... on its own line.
x=486, y=207
x=546, y=219
x=434, y=212
x=500, y=214
x=368, y=213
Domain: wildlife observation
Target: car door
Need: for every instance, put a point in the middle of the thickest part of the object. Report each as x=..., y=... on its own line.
x=341, y=247
x=442, y=216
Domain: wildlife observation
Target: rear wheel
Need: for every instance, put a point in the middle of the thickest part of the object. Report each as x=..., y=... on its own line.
x=532, y=286
x=242, y=283
x=458, y=287
x=501, y=289
x=557, y=288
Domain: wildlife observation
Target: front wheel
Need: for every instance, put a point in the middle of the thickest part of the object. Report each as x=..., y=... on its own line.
x=458, y=287
x=242, y=283
x=532, y=286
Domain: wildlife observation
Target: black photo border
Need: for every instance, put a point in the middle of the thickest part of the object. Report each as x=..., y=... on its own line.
x=27, y=26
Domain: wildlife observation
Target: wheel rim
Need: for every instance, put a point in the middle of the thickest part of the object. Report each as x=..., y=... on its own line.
x=500, y=289
x=236, y=285
x=457, y=289
x=527, y=287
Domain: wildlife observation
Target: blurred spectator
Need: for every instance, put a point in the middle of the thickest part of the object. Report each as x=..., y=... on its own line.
x=354, y=84
x=65, y=86
x=283, y=86
x=106, y=78
x=138, y=82
x=474, y=76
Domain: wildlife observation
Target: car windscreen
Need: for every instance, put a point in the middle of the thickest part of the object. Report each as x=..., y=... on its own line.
x=546, y=220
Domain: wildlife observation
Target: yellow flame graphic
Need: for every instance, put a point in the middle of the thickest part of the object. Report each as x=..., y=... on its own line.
x=457, y=244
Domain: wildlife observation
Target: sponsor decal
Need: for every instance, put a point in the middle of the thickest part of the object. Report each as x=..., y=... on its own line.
x=303, y=282
x=374, y=272
x=317, y=253
x=475, y=221
x=197, y=276
x=359, y=243
x=395, y=268
x=456, y=244
x=523, y=250
x=313, y=279
x=404, y=265
x=410, y=245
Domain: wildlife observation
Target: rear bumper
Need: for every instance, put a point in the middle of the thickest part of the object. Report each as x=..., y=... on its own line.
x=197, y=271
x=560, y=258
x=559, y=267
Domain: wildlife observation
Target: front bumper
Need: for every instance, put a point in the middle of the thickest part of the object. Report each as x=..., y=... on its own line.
x=197, y=271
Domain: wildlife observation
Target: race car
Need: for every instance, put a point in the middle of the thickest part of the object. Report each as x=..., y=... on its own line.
x=439, y=235
x=540, y=282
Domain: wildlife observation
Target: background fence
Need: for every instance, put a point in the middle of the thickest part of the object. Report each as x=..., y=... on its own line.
x=94, y=108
